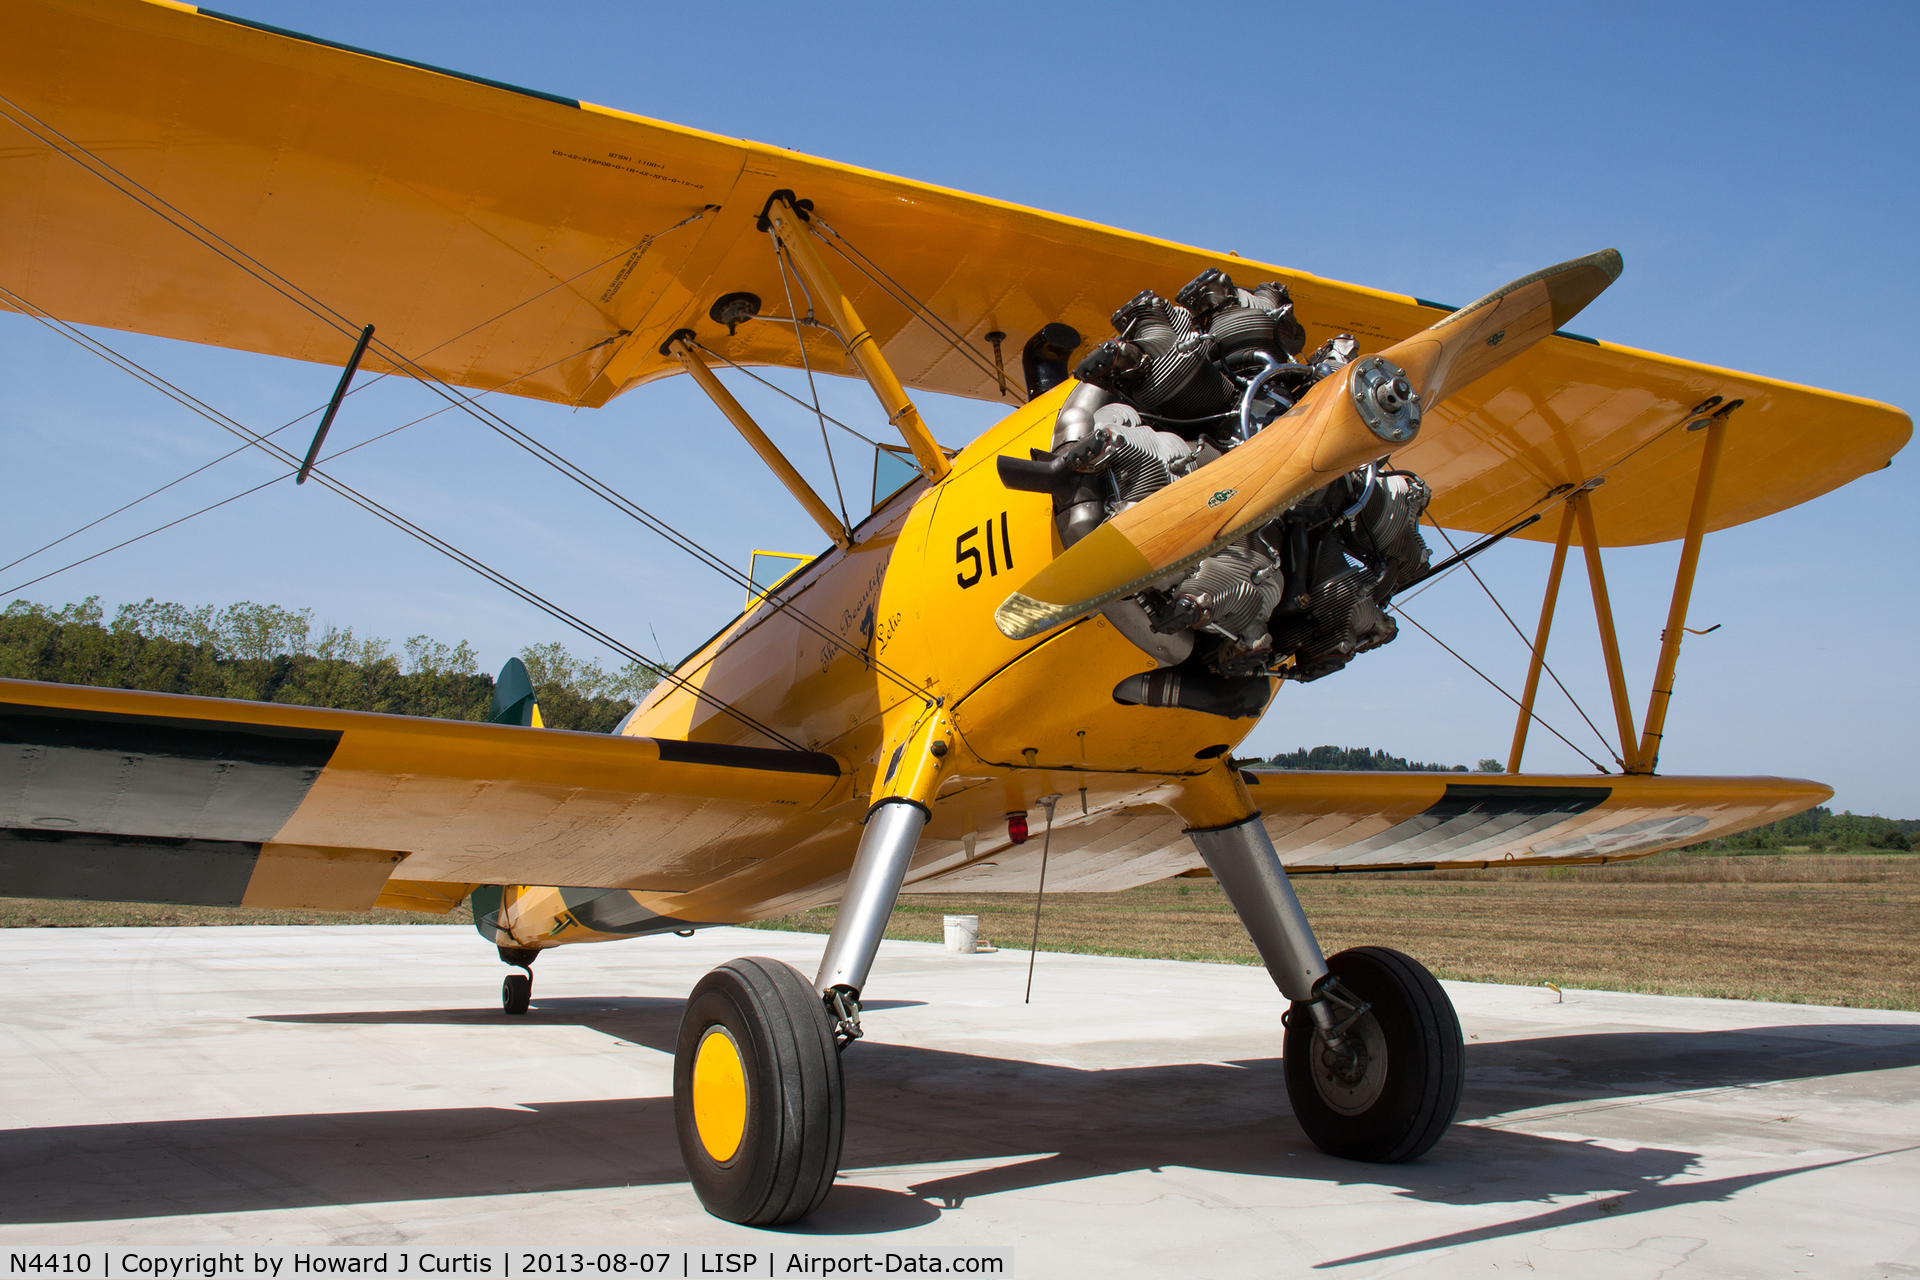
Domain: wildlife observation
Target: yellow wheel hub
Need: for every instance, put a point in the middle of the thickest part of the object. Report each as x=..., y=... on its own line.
x=719, y=1094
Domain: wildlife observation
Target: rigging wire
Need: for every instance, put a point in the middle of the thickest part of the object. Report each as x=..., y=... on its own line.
x=776, y=387
x=66, y=331
x=433, y=382
x=142, y=498
x=1496, y=688
x=634, y=250
x=904, y=296
x=359, y=499
x=1557, y=497
x=34, y=313
x=640, y=515
x=53, y=573
x=1468, y=566
x=800, y=341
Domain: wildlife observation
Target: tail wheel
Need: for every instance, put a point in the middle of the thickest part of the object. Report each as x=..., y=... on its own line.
x=1392, y=1098
x=757, y=1095
x=516, y=993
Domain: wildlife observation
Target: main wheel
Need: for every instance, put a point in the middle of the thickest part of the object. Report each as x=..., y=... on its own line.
x=757, y=1096
x=516, y=993
x=1394, y=1098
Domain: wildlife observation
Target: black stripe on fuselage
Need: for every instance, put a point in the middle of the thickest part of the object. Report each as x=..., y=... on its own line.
x=765, y=759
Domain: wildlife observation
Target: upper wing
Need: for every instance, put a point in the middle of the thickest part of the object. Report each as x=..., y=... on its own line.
x=201, y=177
x=1331, y=822
x=118, y=795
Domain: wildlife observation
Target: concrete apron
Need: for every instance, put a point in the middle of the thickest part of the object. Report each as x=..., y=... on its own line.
x=358, y=1085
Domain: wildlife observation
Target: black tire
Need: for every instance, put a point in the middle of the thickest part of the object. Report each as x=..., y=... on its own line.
x=789, y=1149
x=1407, y=1096
x=516, y=992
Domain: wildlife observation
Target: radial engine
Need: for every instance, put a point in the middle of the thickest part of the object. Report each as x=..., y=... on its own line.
x=1180, y=384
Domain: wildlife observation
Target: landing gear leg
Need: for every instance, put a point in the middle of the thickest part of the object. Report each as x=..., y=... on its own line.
x=516, y=989
x=1374, y=1061
x=873, y=886
x=757, y=1094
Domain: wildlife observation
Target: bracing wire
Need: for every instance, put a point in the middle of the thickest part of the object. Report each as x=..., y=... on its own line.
x=280, y=284
x=800, y=341
x=872, y=270
x=406, y=526
x=1496, y=687
x=626, y=506
x=1544, y=666
x=1553, y=498
x=141, y=537
x=151, y=493
x=54, y=573
x=634, y=250
x=101, y=349
x=777, y=388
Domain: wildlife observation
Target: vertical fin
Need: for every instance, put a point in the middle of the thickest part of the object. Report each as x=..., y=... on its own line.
x=513, y=697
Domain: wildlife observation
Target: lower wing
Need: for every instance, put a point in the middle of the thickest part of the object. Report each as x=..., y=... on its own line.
x=116, y=795
x=1323, y=823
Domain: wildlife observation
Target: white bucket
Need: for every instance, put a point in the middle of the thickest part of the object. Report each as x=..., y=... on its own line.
x=963, y=934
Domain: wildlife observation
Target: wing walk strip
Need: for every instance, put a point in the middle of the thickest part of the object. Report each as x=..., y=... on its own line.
x=1469, y=822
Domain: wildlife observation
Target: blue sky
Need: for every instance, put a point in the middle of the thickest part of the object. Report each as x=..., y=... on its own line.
x=1754, y=164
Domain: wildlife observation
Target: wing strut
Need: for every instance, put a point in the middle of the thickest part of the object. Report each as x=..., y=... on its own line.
x=1651, y=734
x=788, y=223
x=680, y=346
x=1539, y=660
x=1609, y=637
x=1639, y=755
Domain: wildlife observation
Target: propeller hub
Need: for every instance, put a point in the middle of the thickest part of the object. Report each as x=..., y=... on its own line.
x=1385, y=399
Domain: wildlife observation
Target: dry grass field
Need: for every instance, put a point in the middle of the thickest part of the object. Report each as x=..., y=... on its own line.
x=1840, y=929
x=1835, y=929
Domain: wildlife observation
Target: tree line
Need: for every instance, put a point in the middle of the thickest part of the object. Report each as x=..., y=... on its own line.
x=268, y=653
x=1822, y=828
x=1356, y=759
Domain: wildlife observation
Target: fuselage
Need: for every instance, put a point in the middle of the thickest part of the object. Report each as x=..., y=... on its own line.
x=860, y=638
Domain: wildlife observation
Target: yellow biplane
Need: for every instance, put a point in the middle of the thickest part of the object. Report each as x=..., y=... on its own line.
x=1078, y=616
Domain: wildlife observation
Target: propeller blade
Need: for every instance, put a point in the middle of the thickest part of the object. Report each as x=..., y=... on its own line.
x=1369, y=408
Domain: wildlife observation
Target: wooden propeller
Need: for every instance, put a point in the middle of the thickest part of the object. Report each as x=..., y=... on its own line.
x=1369, y=408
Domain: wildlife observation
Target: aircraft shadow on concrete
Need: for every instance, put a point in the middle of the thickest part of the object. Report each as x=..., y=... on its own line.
x=1022, y=1125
